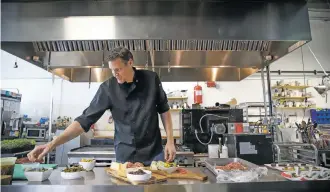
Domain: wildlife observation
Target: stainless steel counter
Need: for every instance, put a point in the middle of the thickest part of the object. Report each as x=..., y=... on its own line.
x=99, y=181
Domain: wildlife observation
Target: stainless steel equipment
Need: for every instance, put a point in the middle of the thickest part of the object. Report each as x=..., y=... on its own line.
x=105, y=154
x=10, y=113
x=36, y=133
x=195, y=40
x=255, y=148
x=61, y=155
x=211, y=163
x=190, y=119
x=98, y=180
x=296, y=152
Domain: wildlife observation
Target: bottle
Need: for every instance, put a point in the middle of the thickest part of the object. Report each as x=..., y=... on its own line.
x=283, y=92
x=224, y=153
x=24, y=133
x=220, y=147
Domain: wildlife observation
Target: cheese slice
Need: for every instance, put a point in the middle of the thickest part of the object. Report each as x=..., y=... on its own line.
x=115, y=166
x=122, y=170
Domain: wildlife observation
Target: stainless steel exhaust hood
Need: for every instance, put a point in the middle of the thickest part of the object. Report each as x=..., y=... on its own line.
x=180, y=40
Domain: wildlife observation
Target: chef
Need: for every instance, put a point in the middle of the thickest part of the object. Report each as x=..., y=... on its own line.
x=134, y=97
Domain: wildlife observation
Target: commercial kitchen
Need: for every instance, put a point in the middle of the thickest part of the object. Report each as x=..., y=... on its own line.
x=246, y=82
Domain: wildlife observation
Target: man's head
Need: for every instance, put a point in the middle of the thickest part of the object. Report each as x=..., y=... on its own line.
x=121, y=64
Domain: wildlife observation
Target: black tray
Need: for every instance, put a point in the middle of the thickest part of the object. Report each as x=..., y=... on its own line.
x=17, y=150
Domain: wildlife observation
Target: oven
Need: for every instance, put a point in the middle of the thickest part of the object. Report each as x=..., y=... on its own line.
x=36, y=133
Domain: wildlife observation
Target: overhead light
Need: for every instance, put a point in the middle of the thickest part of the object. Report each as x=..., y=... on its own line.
x=322, y=89
x=325, y=86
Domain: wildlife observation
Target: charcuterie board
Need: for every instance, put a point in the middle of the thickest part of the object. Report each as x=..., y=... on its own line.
x=155, y=178
x=185, y=174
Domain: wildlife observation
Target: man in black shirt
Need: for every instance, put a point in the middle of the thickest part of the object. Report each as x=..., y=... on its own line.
x=135, y=97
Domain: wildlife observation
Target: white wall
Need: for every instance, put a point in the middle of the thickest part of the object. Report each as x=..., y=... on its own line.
x=320, y=45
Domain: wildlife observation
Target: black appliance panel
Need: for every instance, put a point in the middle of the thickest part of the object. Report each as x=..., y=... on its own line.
x=190, y=123
x=242, y=146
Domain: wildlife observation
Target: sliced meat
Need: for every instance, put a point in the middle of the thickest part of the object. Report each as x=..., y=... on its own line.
x=129, y=165
x=138, y=164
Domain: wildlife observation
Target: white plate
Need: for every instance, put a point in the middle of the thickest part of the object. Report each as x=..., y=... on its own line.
x=88, y=166
x=284, y=174
x=72, y=175
x=139, y=178
x=169, y=170
x=38, y=176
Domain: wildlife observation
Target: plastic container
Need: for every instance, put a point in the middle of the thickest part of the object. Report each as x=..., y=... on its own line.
x=7, y=168
x=321, y=116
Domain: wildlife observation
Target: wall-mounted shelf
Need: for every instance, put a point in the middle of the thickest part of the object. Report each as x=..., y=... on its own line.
x=290, y=87
x=177, y=98
x=290, y=98
x=294, y=107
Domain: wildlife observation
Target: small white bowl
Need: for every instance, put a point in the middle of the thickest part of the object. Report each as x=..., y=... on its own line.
x=139, y=178
x=38, y=176
x=72, y=175
x=88, y=166
x=169, y=170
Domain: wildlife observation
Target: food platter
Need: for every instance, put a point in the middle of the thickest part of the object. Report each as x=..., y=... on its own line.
x=301, y=171
x=290, y=166
x=305, y=176
x=136, y=173
x=228, y=164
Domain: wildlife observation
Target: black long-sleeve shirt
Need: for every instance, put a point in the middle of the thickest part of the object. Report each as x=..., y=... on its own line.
x=134, y=108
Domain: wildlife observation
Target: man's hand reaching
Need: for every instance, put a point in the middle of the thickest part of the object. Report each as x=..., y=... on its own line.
x=170, y=151
x=39, y=152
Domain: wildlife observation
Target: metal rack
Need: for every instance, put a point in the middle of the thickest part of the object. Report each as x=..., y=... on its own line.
x=248, y=105
x=296, y=152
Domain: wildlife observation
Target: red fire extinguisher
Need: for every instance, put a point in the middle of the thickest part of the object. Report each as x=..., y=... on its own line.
x=198, y=97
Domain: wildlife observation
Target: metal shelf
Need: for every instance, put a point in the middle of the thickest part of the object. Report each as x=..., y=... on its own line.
x=289, y=98
x=294, y=107
x=290, y=87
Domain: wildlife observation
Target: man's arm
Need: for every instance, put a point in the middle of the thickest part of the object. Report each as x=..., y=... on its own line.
x=99, y=104
x=167, y=122
x=163, y=110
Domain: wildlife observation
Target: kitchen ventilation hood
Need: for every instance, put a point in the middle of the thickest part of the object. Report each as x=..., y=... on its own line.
x=195, y=40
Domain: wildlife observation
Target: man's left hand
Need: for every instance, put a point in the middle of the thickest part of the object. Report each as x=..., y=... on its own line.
x=169, y=152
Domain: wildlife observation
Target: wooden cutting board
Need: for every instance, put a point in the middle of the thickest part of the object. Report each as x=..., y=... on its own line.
x=177, y=175
x=155, y=178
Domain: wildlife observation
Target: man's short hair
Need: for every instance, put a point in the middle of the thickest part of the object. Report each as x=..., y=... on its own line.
x=122, y=53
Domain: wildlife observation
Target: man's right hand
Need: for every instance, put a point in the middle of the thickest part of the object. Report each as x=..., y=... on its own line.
x=39, y=152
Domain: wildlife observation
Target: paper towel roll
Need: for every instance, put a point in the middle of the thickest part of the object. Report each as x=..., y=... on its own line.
x=213, y=150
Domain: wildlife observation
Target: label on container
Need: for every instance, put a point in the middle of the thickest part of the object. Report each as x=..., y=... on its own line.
x=246, y=148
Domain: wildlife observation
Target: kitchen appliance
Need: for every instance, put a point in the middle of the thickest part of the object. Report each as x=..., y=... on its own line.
x=103, y=151
x=62, y=151
x=195, y=40
x=10, y=113
x=36, y=133
x=212, y=121
x=255, y=148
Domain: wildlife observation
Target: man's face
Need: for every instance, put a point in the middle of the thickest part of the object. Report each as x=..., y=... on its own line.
x=121, y=70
